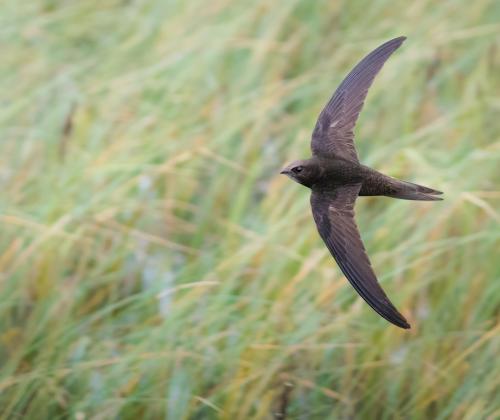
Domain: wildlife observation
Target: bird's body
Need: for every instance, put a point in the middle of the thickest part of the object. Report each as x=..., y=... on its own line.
x=330, y=173
x=336, y=178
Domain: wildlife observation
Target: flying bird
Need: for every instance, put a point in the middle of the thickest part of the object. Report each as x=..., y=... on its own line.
x=336, y=178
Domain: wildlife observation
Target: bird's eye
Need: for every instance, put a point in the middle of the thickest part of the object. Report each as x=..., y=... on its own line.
x=297, y=169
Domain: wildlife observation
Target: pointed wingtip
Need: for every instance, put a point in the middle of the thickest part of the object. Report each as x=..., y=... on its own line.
x=398, y=41
x=406, y=326
x=398, y=320
x=392, y=45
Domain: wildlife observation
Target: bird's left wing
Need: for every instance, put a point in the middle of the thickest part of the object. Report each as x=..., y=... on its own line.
x=333, y=213
x=333, y=134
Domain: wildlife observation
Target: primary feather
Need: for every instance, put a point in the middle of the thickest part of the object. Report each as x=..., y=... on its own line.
x=333, y=134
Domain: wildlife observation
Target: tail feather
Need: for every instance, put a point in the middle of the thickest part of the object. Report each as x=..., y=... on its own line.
x=419, y=196
x=410, y=191
x=421, y=188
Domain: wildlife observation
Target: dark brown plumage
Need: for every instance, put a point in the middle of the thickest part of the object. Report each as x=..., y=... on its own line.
x=336, y=178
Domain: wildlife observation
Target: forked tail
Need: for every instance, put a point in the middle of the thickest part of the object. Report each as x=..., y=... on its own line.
x=410, y=191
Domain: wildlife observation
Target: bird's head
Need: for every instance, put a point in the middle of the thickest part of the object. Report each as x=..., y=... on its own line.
x=304, y=172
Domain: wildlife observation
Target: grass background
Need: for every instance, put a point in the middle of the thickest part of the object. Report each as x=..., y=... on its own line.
x=154, y=265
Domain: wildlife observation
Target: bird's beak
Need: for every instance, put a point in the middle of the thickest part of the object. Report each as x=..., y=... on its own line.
x=285, y=171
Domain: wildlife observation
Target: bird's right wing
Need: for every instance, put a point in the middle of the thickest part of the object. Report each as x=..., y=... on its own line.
x=333, y=134
x=333, y=213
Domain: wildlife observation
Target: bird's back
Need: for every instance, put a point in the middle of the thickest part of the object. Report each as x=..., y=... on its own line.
x=338, y=171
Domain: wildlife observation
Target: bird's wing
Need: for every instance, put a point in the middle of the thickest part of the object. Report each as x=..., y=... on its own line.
x=333, y=134
x=333, y=213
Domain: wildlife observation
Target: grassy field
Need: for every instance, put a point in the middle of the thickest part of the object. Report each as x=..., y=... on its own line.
x=153, y=264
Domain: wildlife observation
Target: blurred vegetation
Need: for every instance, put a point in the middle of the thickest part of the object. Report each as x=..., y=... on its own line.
x=153, y=264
